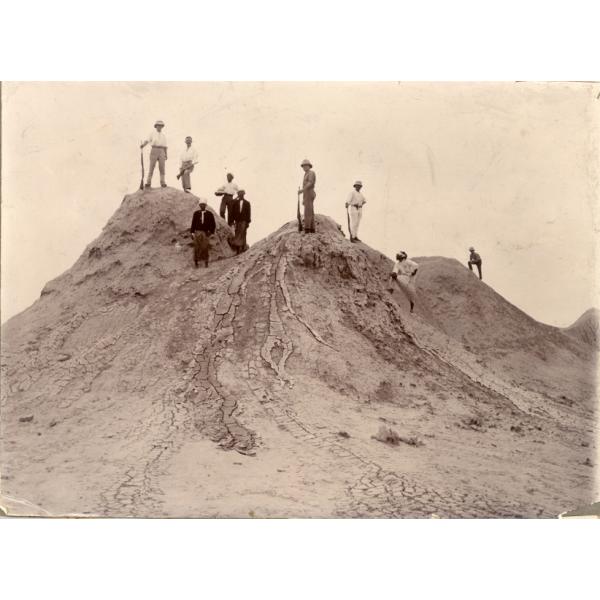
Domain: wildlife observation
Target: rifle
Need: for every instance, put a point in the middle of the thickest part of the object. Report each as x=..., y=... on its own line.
x=142, y=159
x=183, y=169
x=298, y=216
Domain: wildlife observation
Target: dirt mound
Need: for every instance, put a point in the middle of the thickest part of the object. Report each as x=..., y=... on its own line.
x=537, y=356
x=138, y=385
x=586, y=328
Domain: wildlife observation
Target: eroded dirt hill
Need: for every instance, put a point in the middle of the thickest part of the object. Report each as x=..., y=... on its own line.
x=138, y=385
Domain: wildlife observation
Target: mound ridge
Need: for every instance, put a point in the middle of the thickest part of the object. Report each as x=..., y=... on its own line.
x=140, y=386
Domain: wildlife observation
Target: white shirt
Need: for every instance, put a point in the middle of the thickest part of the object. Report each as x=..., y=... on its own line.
x=355, y=199
x=230, y=188
x=189, y=155
x=405, y=270
x=157, y=139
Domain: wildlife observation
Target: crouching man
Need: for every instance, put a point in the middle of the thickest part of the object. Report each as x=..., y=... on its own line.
x=203, y=226
x=404, y=276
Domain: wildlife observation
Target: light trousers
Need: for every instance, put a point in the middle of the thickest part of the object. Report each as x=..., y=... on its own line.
x=157, y=154
x=355, y=217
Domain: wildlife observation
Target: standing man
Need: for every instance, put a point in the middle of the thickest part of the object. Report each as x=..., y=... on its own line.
x=404, y=275
x=354, y=204
x=227, y=193
x=158, y=141
x=308, y=195
x=188, y=158
x=203, y=226
x=475, y=259
x=241, y=214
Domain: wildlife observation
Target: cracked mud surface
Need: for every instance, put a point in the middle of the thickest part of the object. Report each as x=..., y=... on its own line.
x=255, y=387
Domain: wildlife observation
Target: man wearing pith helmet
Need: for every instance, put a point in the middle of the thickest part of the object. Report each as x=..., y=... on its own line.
x=188, y=158
x=158, y=141
x=308, y=195
x=354, y=204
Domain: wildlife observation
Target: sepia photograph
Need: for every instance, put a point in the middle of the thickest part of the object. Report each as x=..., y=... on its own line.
x=342, y=300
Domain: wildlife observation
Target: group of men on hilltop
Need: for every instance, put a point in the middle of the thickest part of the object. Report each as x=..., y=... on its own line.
x=237, y=211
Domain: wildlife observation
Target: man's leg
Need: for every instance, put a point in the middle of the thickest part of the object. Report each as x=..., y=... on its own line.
x=357, y=221
x=153, y=159
x=309, y=222
x=223, y=206
x=161, y=167
x=353, y=226
x=470, y=266
x=479, y=269
x=196, y=248
x=230, y=202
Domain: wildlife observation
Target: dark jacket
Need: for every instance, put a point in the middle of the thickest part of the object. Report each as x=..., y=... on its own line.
x=208, y=226
x=474, y=258
x=241, y=215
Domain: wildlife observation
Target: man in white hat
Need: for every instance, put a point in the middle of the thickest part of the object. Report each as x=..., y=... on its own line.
x=354, y=204
x=158, y=141
x=474, y=259
x=404, y=276
x=308, y=195
x=188, y=158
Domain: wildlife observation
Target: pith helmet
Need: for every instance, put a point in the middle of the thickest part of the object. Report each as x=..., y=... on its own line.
x=358, y=183
x=159, y=123
x=401, y=254
x=202, y=201
x=471, y=249
x=306, y=162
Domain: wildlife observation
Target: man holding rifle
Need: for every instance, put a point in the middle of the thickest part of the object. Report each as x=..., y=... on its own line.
x=188, y=158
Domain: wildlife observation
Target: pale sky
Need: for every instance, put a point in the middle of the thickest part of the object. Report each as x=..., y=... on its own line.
x=511, y=168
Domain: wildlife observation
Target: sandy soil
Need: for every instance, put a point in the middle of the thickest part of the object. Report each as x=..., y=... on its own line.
x=140, y=386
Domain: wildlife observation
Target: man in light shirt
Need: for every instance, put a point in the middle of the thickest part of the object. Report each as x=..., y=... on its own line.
x=158, y=141
x=188, y=158
x=355, y=203
x=404, y=275
x=227, y=192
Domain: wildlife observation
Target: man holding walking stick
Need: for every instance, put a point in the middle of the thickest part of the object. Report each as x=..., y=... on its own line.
x=354, y=205
x=158, y=141
x=308, y=195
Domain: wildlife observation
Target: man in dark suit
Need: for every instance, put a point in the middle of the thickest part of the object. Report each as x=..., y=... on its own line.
x=203, y=226
x=241, y=213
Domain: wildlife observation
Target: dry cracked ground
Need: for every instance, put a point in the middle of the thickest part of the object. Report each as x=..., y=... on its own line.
x=139, y=386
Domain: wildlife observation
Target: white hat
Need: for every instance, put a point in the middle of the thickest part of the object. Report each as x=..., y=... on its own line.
x=159, y=123
x=241, y=191
x=306, y=162
x=357, y=182
x=202, y=201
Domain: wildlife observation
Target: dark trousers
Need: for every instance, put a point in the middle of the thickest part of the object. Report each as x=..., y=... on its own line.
x=239, y=241
x=201, y=248
x=478, y=265
x=227, y=203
